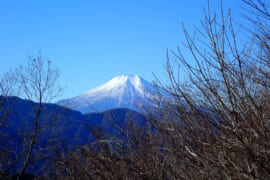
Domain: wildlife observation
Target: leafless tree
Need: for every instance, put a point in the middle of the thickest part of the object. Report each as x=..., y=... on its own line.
x=133, y=152
x=217, y=126
x=221, y=110
x=7, y=89
x=37, y=83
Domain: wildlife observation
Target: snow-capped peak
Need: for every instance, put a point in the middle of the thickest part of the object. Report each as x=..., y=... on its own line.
x=124, y=91
x=119, y=82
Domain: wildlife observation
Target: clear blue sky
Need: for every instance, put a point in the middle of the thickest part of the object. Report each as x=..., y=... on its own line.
x=92, y=41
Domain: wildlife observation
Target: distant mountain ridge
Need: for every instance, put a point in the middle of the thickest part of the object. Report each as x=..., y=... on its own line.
x=124, y=91
x=69, y=128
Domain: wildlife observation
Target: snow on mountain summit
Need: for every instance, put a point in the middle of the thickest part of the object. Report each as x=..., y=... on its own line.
x=118, y=84
x=124, y=91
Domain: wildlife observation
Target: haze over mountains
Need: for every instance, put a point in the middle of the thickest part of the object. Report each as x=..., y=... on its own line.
x=124, y=91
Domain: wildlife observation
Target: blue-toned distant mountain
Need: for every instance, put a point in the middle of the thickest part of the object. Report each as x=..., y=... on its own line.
x=64, y=123
x=63, y=127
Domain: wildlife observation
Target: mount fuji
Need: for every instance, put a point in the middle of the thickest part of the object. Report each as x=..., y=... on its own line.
x=124, y=91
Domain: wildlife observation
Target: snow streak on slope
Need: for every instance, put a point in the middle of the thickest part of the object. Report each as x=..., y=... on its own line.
x=123, y=91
